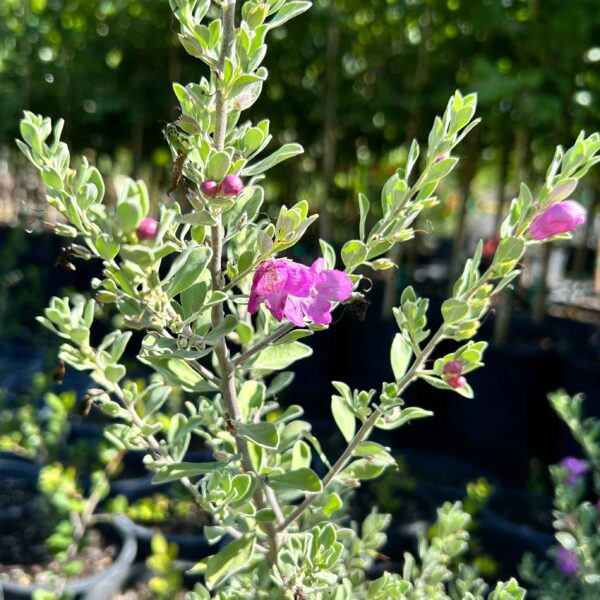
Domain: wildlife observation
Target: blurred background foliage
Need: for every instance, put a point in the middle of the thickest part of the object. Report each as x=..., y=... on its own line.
x=352, y=80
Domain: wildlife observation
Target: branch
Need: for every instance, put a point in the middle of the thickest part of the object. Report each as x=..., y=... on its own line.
x=363, y=432
x=217, y=313
x=267, y=341
x=159, y=454
x=197, y=366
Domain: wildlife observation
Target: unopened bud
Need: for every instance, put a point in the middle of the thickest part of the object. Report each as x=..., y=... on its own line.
x=456, y=381
x=453, y=367
x=222, y=457
x=209, y=188
x=231, y=186
x=352, y=482
x=147, y=229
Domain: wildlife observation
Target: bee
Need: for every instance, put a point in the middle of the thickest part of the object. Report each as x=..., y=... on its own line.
x=229, y=424
x=360, y=304
x=176, y=172
x=84, y=407
x=299, y=593
x=175, y=138
x=64, y=258
x=58, y=374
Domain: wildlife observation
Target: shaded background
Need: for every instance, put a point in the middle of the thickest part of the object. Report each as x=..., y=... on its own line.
x=353, y=81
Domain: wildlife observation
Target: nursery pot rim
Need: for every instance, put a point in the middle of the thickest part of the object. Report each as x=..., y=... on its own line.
x=124, y=528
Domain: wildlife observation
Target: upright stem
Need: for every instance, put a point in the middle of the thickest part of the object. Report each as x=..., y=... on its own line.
x=364, y=431
x=217, y=313
x=369, y=424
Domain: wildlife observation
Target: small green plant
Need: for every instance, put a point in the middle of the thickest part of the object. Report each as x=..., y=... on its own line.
x=167, y=581
x=574, y=572
x=69, y=513
x=33, y=431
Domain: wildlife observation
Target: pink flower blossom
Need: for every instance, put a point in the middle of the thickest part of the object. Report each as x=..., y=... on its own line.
x=147, y=229
x=209, y=188
x=298, y=292
x=232, y=185
x=559, y=218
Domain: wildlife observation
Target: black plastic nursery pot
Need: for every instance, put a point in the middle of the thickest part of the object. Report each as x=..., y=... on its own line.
x=18, y=488
x=100, y=586
x=192, y=547
x=509, y=420
x=440, y=477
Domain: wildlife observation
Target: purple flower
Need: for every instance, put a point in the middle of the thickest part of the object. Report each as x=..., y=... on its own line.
x=566, y=562
x=232, y=185
x=209, y=188
x=559, y=218
x=298, y=292
x=575, y=468
x=147, y=229
x=453, y=367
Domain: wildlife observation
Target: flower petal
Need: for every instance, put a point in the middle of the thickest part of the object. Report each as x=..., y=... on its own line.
x=334, y=285
x=299, y=279
x=293, y=311
x=276, y=303
x=318, y=265
x=318, y=310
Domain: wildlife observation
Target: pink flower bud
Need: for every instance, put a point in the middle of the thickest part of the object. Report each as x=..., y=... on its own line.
x=232, y=185
x=209, y=188
x=456, y=381
x=490, y=246
x=559, y=218
x=147, y=229
x=453, y=367
x=440, y=158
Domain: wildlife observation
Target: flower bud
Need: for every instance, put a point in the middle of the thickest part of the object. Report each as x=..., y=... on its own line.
x=147, y=229
x=231, y=186
x=575, y=469
x=209, y=188
x=453, y=367
x=256, y=14
x=352, y=482
x=567, y=562
x=559, y=218
x=456, y=381
x=222, y=457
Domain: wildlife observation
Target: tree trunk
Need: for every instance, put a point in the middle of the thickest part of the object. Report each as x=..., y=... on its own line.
x=501, y=189
x=329, y=123
x=466, y=179
x=539, y=302
x=581, y=251
x=137, y=145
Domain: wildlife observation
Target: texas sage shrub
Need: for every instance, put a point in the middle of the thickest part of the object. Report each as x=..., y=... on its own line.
x=223, y=317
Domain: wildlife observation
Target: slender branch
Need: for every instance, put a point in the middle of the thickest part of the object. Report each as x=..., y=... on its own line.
x=227, y=369
x=364, y=431
x=267, y=341
x=160, y=454
x=197, y=366
x=90, y=507
x=274, y=504
x=369, y=424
